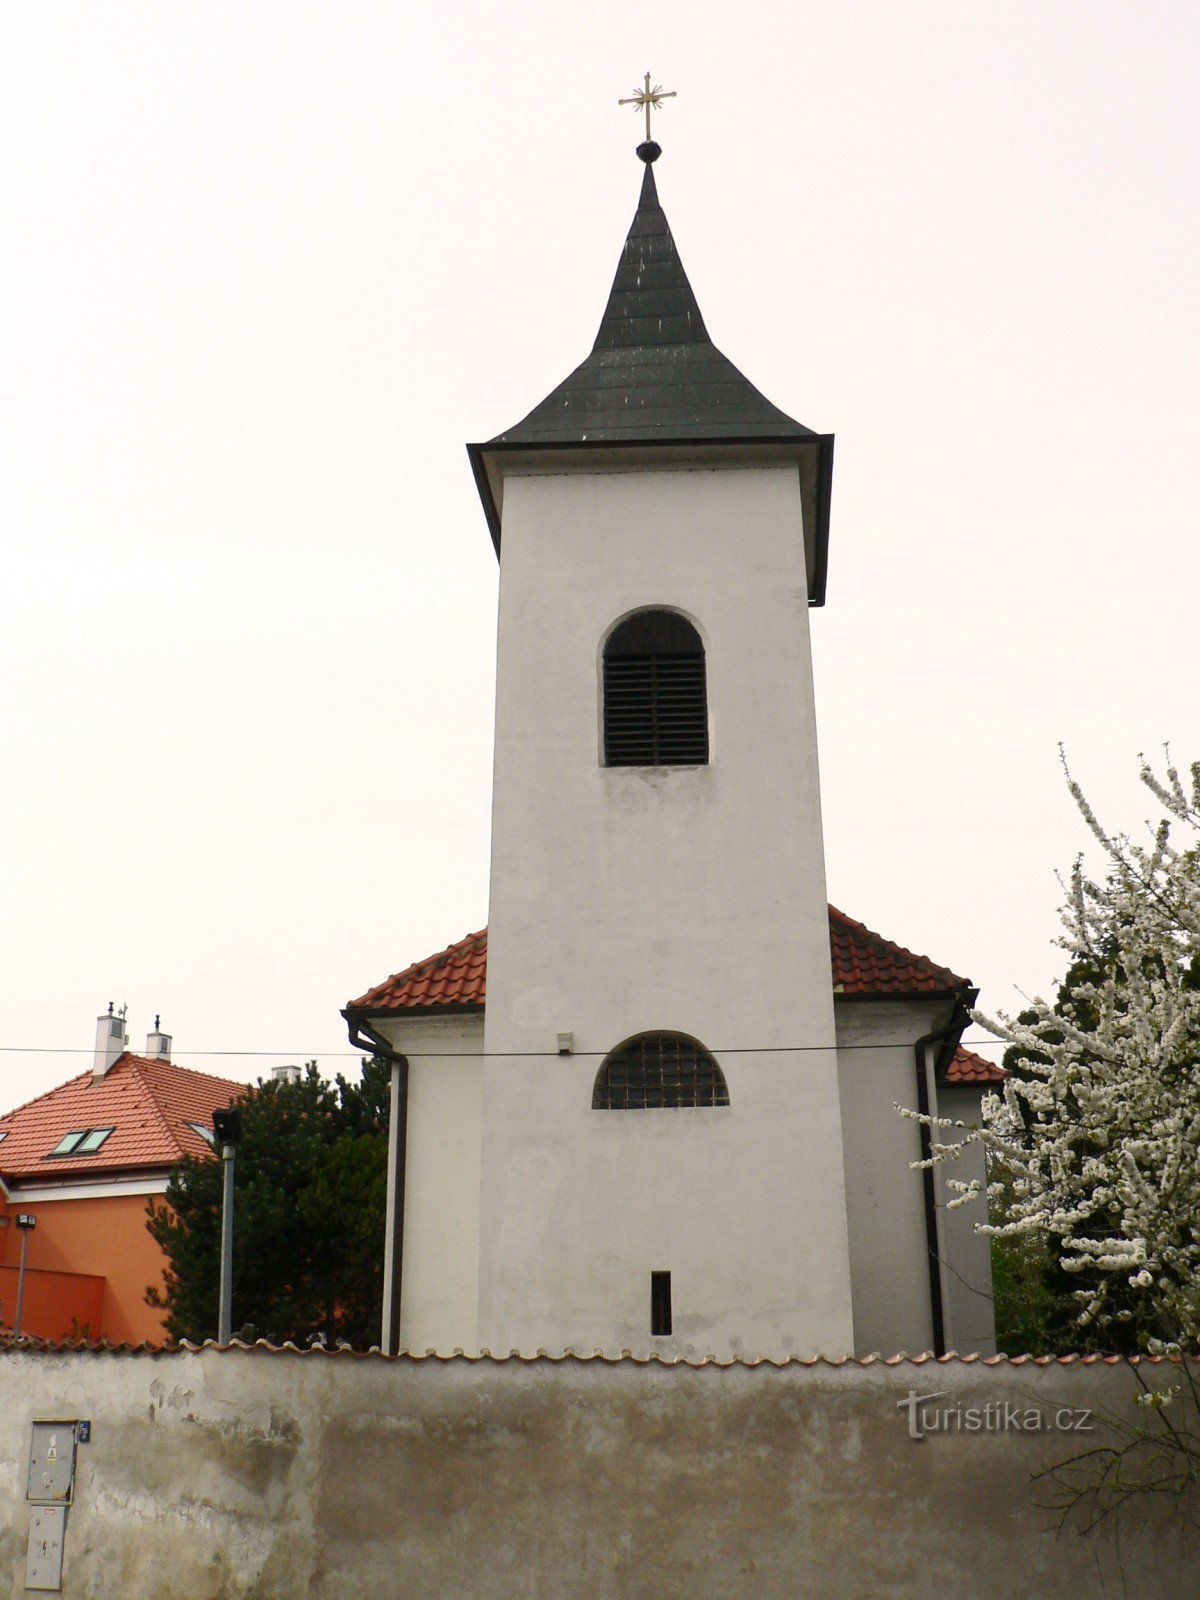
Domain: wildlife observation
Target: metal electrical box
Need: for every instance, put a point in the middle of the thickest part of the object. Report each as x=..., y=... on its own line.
x=52, y=1463
x=44, y=1564
x=50, y=1488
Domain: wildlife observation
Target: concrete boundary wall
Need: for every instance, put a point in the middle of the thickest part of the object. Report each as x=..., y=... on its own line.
x=252, y=1474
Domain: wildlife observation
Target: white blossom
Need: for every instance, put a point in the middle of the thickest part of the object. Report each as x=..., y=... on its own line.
x=1156, y=1399
x=1095, y=1138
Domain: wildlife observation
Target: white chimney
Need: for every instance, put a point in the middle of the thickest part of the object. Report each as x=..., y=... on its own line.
x=158, y=1044
x=286, y=1074
x=110, y=1041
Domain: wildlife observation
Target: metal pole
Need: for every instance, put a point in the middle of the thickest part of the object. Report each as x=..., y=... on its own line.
x=225, y=1313
x=21, y=1283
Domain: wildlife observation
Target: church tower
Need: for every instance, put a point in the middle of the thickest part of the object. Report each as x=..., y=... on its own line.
x=661, y=1160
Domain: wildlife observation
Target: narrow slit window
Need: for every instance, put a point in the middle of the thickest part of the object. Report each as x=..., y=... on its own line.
x=659, y=1072
x=655, y=693
x=660, y=1304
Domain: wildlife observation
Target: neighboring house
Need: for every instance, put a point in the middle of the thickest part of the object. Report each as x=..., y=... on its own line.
x=673, y=1127
x=84, y=1160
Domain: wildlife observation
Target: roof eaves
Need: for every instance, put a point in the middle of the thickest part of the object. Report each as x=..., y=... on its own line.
x=905, y=996
x=77, y=1176
x=818, y=509
x=452, y=1008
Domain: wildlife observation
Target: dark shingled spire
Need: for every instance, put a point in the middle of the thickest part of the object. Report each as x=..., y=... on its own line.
x=651, y=301
x=653, y=374
x=655, y=386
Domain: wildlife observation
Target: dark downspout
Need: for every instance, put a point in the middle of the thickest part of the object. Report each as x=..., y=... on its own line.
x=952, y=1031
x=364, y=1037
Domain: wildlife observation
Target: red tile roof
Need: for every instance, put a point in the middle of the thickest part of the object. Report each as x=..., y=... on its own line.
x=864, y=964
x=148, y=1105
x=456, y=976
x=967, y=1067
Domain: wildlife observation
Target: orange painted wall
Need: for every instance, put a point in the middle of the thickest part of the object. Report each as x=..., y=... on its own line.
x=57, y=1305
x=94, y=1239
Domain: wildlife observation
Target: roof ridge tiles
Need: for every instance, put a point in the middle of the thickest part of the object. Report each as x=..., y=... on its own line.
x=178, y=1066
x=138, y=1063
x=33, y=1099
x=82, y=1078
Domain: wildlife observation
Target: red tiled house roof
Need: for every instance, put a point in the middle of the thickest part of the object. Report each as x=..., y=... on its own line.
x=967, y=1067
x=865, y=965
x=147, y=1103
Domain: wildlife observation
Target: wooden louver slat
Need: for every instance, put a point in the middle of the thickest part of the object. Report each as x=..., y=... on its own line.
x=655, y=710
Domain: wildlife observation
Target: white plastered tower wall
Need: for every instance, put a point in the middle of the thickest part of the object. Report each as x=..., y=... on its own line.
x=689, y=899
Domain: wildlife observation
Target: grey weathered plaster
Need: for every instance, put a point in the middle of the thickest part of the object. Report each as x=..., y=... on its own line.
x=251, y=1475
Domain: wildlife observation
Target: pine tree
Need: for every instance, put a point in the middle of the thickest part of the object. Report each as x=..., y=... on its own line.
x=309, y=1194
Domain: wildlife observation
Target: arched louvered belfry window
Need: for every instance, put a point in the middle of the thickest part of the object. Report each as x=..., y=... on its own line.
x=659, y=1071
x=655, y=698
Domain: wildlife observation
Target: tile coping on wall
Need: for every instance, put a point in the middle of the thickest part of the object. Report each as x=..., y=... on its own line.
x=9, y=1345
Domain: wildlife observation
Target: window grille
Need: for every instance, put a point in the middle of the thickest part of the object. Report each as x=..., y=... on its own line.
x=655, y=695
x=659, y=1071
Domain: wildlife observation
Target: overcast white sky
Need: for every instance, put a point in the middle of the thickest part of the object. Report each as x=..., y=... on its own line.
x=267, y=266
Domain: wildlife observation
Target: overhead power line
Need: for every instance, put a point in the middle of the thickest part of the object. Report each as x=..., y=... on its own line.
x=499, y=1055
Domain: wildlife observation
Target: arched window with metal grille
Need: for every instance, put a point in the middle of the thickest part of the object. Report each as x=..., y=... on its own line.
x=655, y=696
x=659, y=1071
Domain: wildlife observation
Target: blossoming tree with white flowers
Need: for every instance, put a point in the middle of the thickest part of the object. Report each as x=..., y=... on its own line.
x=1094, y=1145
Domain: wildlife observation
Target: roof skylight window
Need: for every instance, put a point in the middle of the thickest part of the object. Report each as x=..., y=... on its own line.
x=81, y=1142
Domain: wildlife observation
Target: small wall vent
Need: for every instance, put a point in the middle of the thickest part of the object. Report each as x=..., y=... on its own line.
x=660, y=1304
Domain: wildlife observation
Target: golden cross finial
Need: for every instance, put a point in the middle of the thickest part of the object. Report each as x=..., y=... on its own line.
x=648, y=97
